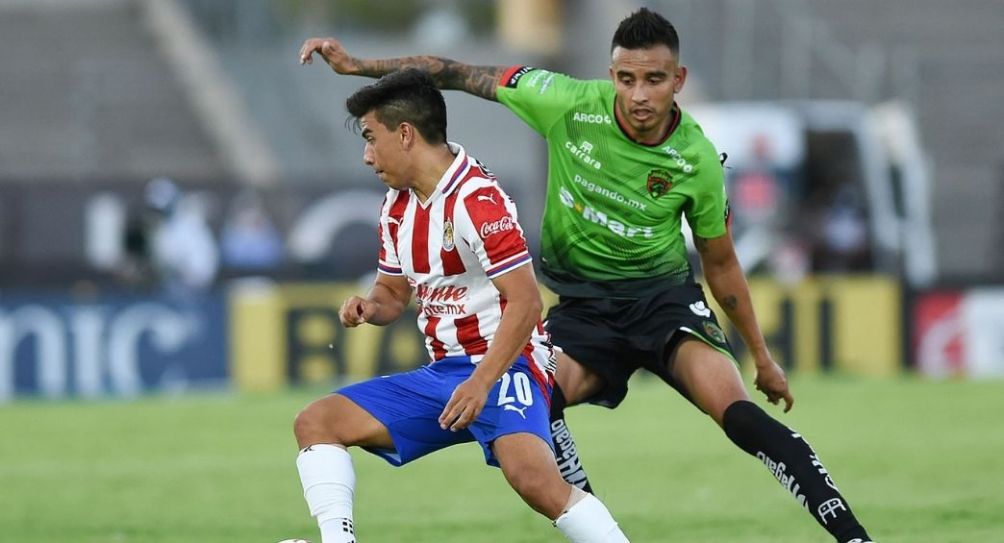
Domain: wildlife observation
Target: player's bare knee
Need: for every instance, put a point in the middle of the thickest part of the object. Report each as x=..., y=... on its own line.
x=316, y=423
x=545, y=495
x=544, y=491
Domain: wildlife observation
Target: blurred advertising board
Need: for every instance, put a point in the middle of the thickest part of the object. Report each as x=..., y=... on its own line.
x=289, y=333
x=851, y=324
x=959, y=332
x=60, y=345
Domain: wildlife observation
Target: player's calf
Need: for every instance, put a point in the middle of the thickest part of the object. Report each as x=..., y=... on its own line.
x=795, y=465
x=528, y=467
x=329, y=481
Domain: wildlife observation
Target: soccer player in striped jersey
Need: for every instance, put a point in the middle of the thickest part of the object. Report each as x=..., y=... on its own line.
x=626, y=165
x=449, y=234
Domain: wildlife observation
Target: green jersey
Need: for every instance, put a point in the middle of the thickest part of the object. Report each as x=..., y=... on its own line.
x=612, y=221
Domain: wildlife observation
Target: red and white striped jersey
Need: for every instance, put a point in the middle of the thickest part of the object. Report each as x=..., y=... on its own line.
x=449, y=249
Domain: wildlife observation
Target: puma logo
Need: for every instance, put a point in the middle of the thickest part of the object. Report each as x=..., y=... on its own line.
x=511, y=407
x=488, y=198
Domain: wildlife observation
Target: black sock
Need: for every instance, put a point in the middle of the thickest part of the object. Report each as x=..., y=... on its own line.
x=564, y=446
x=795, y=465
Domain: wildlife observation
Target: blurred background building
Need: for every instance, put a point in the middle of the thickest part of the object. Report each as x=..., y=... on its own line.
x=182, y=204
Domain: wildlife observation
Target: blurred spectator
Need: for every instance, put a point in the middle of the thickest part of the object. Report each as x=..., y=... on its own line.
x=757, y=192
x=844, y=231
x=182, y=249
x=250, y=242
x=761, y=196
x=136, y=268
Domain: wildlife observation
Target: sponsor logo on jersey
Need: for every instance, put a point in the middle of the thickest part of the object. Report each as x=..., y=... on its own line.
x=714, y=331
x=598, y=217
x=591, y=118
x=546, y=83
x=582, y=151
x=658, y=183
x=514, y=78
x=503, y=224
x=441, y=300
x=678, y=159
x=448, y=244
x=535, y=78
x=611, y=194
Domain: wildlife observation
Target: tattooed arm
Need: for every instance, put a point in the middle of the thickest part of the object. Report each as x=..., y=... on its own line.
x=448, y=74
x=728, y=285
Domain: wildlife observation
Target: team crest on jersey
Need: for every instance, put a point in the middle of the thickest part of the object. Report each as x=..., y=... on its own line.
x=659, y=183
x=714, y=331
x=448, y=244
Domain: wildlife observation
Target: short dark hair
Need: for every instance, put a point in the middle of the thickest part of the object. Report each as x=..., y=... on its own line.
x=409, y=96
x=643, y=29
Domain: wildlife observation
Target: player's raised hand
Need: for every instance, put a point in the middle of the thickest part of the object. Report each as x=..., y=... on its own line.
x=356, y=311
x=465, y=405
x=331, y=51
x=771, y=380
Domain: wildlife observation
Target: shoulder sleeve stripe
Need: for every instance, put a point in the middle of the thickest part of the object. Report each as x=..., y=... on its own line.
x=509, y=264
x=389, y=270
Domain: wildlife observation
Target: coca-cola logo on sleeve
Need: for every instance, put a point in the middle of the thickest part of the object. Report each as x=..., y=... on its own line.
x=503, y=224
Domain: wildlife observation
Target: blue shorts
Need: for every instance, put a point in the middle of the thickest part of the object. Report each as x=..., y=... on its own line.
x=409, y=405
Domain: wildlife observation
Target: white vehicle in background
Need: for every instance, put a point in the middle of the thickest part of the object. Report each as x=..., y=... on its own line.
x=820, y=186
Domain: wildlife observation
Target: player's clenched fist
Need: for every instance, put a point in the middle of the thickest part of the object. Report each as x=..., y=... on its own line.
x=331, y=51
x=356, y=311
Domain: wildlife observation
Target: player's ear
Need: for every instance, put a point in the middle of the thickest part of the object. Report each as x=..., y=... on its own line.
x=679, y=79
x=406, y=135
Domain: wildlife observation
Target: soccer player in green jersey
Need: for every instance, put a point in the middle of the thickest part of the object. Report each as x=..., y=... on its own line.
x=625, y=165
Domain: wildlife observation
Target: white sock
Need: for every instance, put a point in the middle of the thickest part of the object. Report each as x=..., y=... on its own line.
x=589, y=521
x=328, y=485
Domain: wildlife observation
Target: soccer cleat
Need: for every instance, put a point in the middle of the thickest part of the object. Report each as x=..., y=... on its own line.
x=859, y=540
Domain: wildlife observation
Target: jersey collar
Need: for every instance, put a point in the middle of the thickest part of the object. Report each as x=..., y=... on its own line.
x=457, y=170
x=677, y=115
x=451, y=177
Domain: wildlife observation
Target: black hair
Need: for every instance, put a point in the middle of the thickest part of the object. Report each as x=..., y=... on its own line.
x=405, y=96
x=644, y=29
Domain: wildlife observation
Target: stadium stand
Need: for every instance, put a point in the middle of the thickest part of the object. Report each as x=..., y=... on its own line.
x=93, y=98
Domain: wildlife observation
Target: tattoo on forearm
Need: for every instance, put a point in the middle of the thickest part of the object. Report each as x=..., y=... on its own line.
x=730, y=303
x=448, y=74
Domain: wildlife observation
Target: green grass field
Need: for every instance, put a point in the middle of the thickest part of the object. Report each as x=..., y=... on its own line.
x=919, y=461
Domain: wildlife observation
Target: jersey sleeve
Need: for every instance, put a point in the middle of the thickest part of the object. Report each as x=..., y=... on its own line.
x=708, y=209
x=539, y=97
x=492, y=231
x=388, y=262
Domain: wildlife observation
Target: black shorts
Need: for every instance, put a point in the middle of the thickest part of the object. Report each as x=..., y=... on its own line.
x=615, y=337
